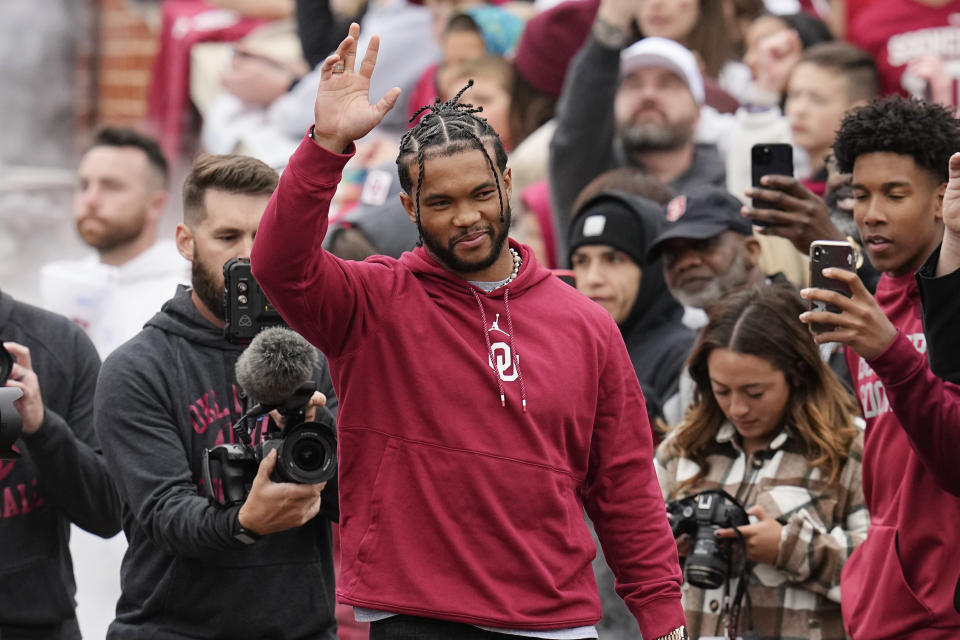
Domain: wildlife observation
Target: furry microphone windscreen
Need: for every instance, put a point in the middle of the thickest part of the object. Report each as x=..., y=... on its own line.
x=274, y=365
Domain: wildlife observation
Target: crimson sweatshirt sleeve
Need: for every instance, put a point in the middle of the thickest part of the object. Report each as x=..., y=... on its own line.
x=325, y=299
x=927, y=407
x=622, y=497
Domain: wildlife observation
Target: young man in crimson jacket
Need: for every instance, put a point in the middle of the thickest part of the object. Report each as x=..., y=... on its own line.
x=465, y=467
x=897, y=584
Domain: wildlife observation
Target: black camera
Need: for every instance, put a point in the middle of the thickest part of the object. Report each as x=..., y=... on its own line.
x=306, y=451
x=11, y=426
x=712, y=560
x=248, y=310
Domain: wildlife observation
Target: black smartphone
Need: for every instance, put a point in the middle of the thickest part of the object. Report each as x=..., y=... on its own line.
x=824, y=254
x=769, y=158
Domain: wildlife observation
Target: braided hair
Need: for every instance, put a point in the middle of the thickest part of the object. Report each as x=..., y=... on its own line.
x=452, y=127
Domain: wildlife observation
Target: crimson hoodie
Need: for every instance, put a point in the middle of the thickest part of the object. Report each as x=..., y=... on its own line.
x=473, y=430
x=899, y=583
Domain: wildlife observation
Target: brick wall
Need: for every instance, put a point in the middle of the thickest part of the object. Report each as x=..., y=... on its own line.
x=127, y=47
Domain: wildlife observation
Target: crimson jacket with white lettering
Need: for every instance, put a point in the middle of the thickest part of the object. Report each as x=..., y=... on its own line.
x=473, y=430
x=899, y=583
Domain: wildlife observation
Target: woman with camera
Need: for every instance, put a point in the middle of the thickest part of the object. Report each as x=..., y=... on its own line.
x=773, y=427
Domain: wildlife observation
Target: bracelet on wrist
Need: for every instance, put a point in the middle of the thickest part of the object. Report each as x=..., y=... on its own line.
x=610, y=35
x=680, y=633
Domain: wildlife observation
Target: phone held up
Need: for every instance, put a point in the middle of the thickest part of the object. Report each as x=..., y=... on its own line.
x=824, y=254
x=769, y=158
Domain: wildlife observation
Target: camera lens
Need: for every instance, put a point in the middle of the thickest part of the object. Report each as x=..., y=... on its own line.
x=762, y=155
x=817, y=253
x=308, y=454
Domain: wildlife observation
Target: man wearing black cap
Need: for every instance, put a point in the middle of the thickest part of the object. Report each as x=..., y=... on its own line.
x=708, y=248
x=608, y=240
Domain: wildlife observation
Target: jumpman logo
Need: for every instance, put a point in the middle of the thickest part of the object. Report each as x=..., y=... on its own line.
x=496, y=326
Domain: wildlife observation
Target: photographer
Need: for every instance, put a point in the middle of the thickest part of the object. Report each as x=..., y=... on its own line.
x=193, y=568
x=60, y=476
x=774, y=428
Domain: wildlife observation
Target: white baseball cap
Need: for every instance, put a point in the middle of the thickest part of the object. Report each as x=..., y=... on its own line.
x=668, y=54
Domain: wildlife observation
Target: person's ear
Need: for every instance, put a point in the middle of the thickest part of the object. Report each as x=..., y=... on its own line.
x=507, y=185
x=409, y=206
x=186, y=244
x=752, y=248
x=158, y=204
x=938, y=202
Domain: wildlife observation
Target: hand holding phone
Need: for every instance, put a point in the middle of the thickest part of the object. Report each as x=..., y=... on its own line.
x=769, y=158
x=824, y=254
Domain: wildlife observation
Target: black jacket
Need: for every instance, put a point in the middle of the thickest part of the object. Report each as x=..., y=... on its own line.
x=60, y=478
x=940, y=298
x=656, y=338
x=166, y=395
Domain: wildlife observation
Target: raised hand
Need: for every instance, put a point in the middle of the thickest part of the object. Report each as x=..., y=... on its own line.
x=804, y=217
x=779, y=53
x=342, y=112
x=861, y=325
x=22, y=376
x=618, y=13
x=950, y=251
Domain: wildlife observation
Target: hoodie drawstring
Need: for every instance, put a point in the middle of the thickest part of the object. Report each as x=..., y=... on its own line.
x=513, y=351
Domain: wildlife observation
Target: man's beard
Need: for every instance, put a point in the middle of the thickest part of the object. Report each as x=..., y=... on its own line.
x=734, y=278
x=111, y=235
x=446, y=254
x=640, y=137
x=208, y=285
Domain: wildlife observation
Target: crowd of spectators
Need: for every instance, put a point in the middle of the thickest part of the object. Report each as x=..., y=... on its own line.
x=620, y=136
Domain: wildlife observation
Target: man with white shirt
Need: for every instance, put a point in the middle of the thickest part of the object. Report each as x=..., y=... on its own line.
x=120, y=199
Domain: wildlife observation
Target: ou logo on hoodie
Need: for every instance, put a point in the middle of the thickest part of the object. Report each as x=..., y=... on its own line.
x=501, y=355
x=502, y=362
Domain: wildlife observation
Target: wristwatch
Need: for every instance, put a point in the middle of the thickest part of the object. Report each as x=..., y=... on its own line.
x=610, y=36
x=680, y=633
x=240, y=533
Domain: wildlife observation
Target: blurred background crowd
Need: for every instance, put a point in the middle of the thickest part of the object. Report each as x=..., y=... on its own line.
x=580, y=111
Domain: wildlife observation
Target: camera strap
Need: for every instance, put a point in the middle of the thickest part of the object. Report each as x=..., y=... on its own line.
x=742, y=583
x=742, y=593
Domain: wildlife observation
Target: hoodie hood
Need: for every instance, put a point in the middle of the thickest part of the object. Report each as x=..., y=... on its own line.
x=654, y=305
x=653, y=332
x=179, y=316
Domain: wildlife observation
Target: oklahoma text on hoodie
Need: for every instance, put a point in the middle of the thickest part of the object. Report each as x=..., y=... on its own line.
x=899, y=583
x=473, y=428
x=60, y=478
x=165, y=396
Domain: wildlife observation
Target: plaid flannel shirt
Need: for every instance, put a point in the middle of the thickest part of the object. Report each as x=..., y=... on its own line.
x=799, y=596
